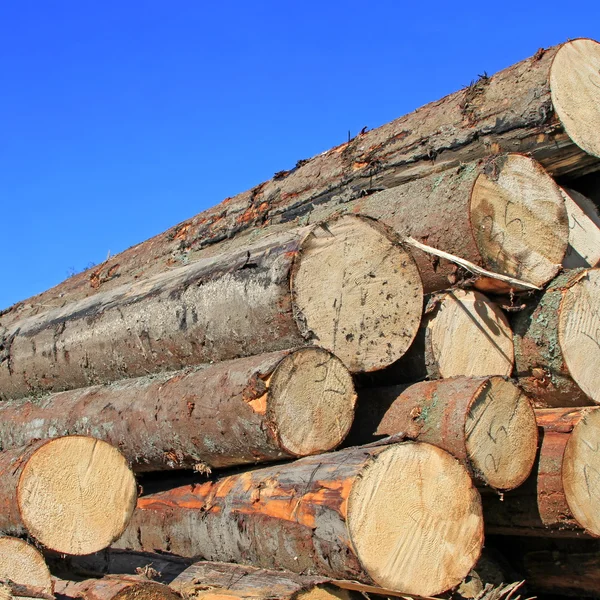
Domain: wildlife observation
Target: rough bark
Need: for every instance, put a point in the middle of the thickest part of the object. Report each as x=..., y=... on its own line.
x=356, y=514
x=238, y=304
x=23, y=566
x=557, y=342
x=223, y=580
x=560, y=498
x=487, y=423
x=256, y=409
x=73, y=494
x=114, y=587
x=510, y=112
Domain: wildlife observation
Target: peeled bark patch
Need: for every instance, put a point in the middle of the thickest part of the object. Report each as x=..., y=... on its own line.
x=73, y=494
x=255, y=409
x=519, y=219
x=581, y=472
x=358, y=294
x=557, y=342
x=575, y=89
x=469, y=335
x=487, y=423
x=405, y=517
x=22, y=564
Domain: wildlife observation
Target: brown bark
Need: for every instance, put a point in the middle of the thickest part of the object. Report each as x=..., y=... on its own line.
x=551, y=328
x=219, y=415
x=237, y=304
x=323, y=513
x=544, y=505
x=509, y=112
x=486, y=423
x=115, y=588
x=45, y=493
x=223, y=580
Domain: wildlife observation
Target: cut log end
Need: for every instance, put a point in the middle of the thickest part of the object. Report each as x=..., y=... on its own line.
x=415, y=520
x=579, y=333
x=311, y=401
x=470, y=336
x=76, y=494
x=581, y=472
x=357, y=293
x=584, y=231
x=575, y=90
x=520, y=220
x=501, y=434
x=23, y=564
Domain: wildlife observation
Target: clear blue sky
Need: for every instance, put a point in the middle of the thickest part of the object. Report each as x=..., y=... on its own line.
x=121, y=119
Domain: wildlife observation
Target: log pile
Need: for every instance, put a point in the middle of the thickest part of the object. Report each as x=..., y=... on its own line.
x=333, y=384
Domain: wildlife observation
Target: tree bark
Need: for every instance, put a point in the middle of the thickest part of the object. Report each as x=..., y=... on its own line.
x=346, y=286
x=112, y=587
x=513, y=111
x=73, y=494
x=487, y=423
x=256, y=409
x=23, y=566
x=220, y=581
x=560, y=498
x=557, y=342
x=356, y=514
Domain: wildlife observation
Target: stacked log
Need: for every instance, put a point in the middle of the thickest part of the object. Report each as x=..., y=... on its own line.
x=237, y=338
x=23, y=569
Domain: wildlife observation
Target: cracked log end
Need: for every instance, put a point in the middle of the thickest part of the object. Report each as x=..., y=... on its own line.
x=575, y=90
x=359, y=293
x=24, y=565
x=581, y=472
x=311, y=401
x=415, y=519
x=469, y=335
x=76, y=494
x=519, y=219
x=501, y=434
x=579, y=332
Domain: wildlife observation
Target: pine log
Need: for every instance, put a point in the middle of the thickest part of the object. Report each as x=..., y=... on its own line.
x=487, y=423
x=546, y=105
x=404, y=517
x=557, y=342
x=463, y=333
x=561, y=497
x=346, y=286
x=222, y=581
x=256, y=409
x=584, y=231
x=72, y=494
x=112, y=587
x=23, y=565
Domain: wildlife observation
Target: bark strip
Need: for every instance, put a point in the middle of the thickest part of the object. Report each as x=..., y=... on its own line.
x=113, y=587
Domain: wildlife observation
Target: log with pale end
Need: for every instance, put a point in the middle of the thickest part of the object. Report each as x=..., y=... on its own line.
x=115, y=587
x=220, y=581
x=584, y=231
x=562, y=497
x=557, y=342
x=72, y=494
x=23, y=565
x=546, y=105
x=255, y=409
x=487, y=423
x=404, y=517
x=347, y=286
x=463, y=333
